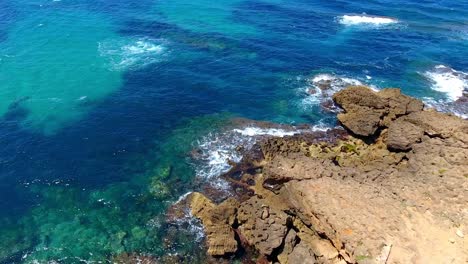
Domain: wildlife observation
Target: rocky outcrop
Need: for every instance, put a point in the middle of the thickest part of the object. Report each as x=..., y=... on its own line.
x=218, y=221
x=366, y=110
x=397, y=193
x=410, y=129
x=261, y=225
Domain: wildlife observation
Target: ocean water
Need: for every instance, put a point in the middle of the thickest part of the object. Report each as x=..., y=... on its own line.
x=101, y=103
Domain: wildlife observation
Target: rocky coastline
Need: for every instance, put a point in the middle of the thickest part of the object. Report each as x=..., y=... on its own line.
x=391, y=187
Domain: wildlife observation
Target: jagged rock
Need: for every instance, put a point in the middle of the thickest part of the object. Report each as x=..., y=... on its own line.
x=324, y=249
x=217, y=220
x=391, y=197
x=398, y=104
x=290, y=242
x=437, y=124
x=402, y=135
x=362, y=121
x=221, y=240
x=363, y=109
x=409, y=129
x=366, y=110
x=267, y=233
x=355, y=97
x=301, y=254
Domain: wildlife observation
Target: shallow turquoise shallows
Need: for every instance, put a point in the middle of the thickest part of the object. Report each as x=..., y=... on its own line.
x=102, y=103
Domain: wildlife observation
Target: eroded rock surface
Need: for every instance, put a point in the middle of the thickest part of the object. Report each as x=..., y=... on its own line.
x=366, y=110
x=396, y=194
x=218, y=221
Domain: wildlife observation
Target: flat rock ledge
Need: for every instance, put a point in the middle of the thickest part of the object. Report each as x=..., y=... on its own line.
x=395, y=191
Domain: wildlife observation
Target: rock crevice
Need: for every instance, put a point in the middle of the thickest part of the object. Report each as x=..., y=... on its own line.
x=394, y=191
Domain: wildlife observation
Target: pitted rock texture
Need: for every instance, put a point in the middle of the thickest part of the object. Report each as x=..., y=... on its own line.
x=261, y=225
x=366, y=110
x=218, y=221
x=396, y=194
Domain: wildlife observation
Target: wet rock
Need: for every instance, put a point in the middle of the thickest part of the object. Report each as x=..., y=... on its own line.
x=196, y=154
x=159, y=189
x=126, y=258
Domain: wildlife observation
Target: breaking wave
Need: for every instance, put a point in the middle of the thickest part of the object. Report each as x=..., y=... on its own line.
x=217, y=151
x=256, y=131
x=353, y=20
x=134, y=54
x=321, y=87
x=449, y=81
x=459, y=109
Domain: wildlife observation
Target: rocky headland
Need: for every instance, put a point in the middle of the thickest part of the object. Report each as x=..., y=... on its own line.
x=391, y=187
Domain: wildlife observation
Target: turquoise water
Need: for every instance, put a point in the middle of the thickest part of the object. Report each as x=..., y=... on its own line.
x=101, y=103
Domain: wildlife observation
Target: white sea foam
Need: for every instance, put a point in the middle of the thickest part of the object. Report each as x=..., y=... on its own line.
x=449, y=81
x=194, y=225
x=458, y=109
x=256, y=131
x=352, y=20
x=133, y=54
x=142, y=47
x=321, y=87
x=218, y=150
x=182, y=197
x=321, y=127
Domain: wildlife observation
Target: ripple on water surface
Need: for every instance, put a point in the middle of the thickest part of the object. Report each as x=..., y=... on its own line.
x=206, y=16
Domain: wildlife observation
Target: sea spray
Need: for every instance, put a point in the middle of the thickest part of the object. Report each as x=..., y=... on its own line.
x=446, y=80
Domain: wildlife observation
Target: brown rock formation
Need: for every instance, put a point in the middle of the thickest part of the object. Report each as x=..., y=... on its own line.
x=366, y=110
x=261, y=225
x=399, y=194
x=218, y=221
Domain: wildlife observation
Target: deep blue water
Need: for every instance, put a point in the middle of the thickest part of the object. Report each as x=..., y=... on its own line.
x=98, y=98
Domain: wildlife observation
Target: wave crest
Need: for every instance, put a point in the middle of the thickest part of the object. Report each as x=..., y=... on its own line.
x=449, y=81
x=133, y=54
x=216, y=151
x=351, y=20
x=459, y=109
x=321, y=88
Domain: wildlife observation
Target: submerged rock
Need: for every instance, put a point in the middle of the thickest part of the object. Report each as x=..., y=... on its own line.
x=126, y=258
